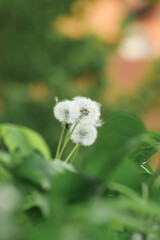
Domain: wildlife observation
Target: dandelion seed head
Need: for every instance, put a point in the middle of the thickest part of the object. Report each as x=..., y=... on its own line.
x=89, y=110
x=66, y=111
x=84, y=134
x=84, y=111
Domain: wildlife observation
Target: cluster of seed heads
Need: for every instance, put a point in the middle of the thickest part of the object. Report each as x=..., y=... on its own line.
x=82, y=116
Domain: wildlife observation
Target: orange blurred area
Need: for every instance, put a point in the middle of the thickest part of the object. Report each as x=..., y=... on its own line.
x=38, y=92
x=151, y=23
x=128, y=66
x=125, y=77
x=93, y=17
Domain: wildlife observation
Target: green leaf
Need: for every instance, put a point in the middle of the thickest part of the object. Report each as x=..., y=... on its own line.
x=37, y=142
x=146, y=147
x=4, y=174
x=155, y=186
x=119, y=135
x=146, y=172
x=39, y=200
x=127, y=174
x=36, y=170
x=14, y=139
x=72, y=186
x=5, y=158
x=146, y=168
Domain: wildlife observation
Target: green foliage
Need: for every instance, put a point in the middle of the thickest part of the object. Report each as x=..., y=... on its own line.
x=121, y=132
x=37, y=142
x=24, y=140
x=148, y=144
x=38, y=63
x=115, y=196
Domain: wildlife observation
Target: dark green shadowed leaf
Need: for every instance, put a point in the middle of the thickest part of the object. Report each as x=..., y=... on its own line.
x=128, y=174
x=146, y=147
x=118, y=136
x=38, y=200
x=37, y=171
x=70, y=185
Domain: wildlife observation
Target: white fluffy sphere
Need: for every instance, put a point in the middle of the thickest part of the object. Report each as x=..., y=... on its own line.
x=66, y=111
x=84, y=134
x=89, y=110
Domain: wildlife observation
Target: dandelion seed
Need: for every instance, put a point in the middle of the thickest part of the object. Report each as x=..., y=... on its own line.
x=56, y=99
x=66, y=111
x=99, y=123
x=84, y=134
x=89, y=110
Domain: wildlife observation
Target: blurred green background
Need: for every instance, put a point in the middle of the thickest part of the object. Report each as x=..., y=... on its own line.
x=106, y=50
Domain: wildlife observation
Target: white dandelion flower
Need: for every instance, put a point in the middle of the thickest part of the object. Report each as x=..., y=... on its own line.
x=84, y=134
x=89, y=110
x=66, y=111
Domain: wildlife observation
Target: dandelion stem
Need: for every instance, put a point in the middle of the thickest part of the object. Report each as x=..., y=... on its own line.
x=67, y=140
x=72, y=152
x=145, y=191
x=66, y=137
x=75, y=153
x=60, y=141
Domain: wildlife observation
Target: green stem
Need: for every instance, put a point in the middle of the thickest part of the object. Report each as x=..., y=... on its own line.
x=66, y=137
x=71, y=153
x=60, y=141
x=74, y=155
x=125, y=190
x=66, y=141
x=145, y=191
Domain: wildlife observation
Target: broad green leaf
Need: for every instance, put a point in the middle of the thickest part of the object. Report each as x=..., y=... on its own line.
x=15, y=140
x=5, y=158
x=122, y=189
x=39, y=200
x=4, y=174
x=146, y=147
x=119, y=135
x=72, y=186
x=128, y=174
x=37, y=142
x=36, y=170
